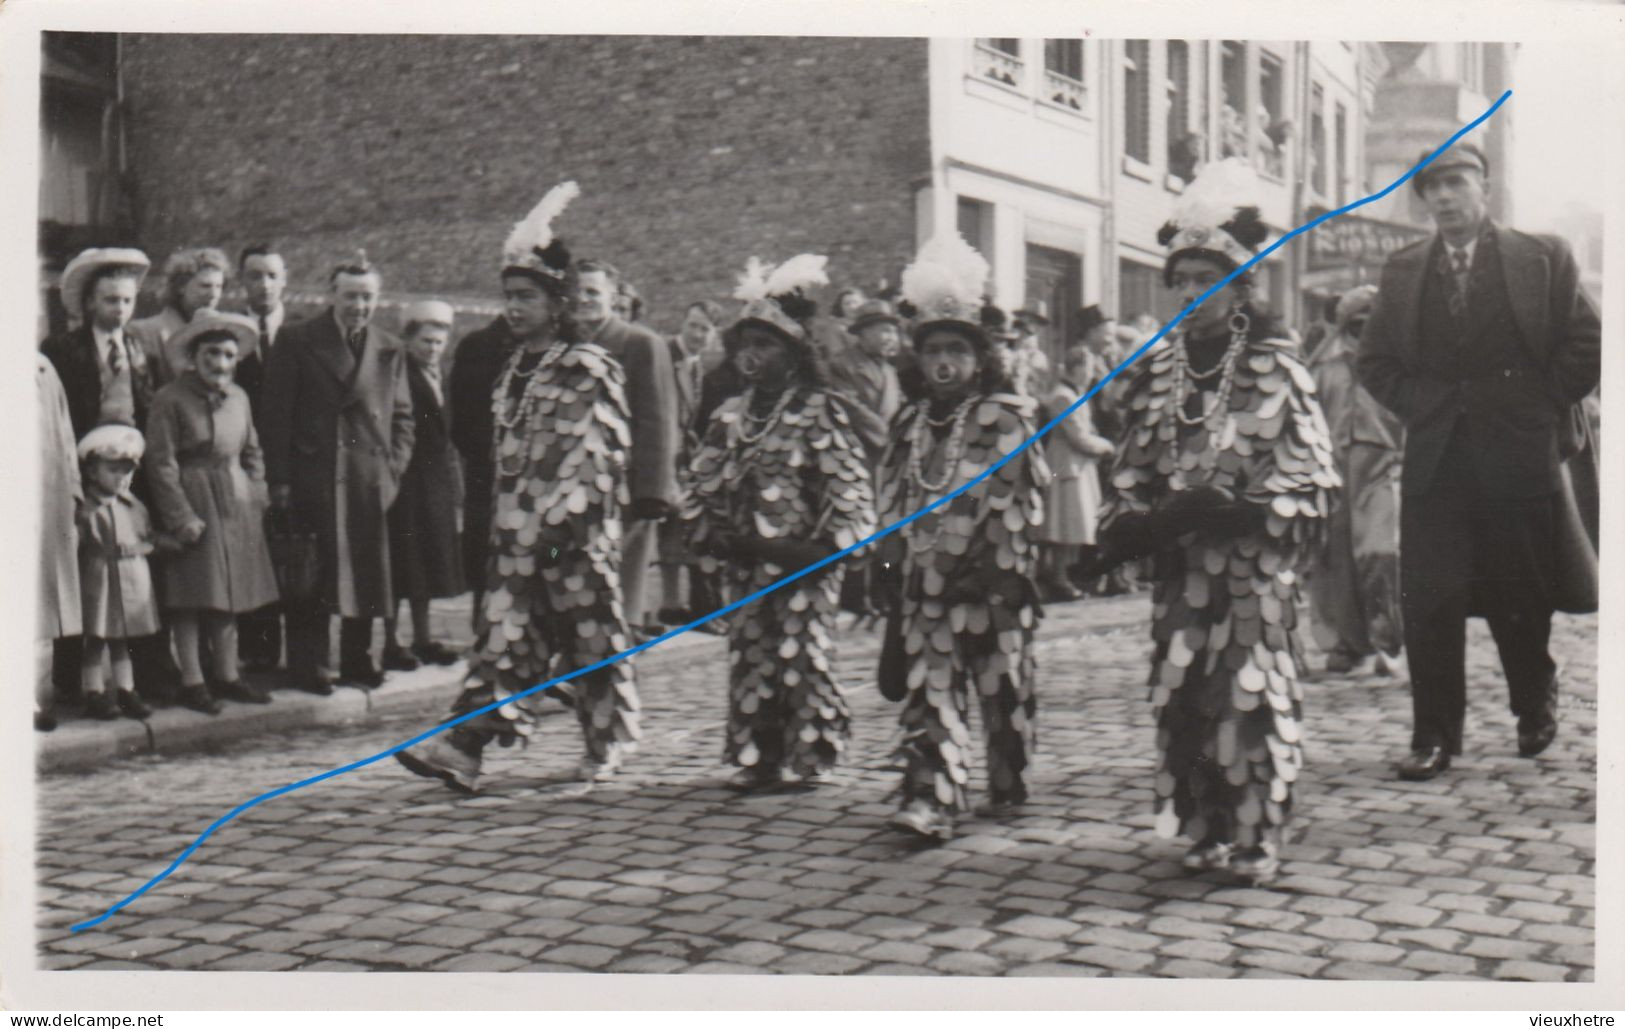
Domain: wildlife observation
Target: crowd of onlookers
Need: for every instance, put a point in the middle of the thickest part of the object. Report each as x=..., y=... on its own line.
x=174, y=559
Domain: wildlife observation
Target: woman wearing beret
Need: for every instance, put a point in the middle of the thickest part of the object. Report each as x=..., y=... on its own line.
x=780, y=481
x=1225, y=479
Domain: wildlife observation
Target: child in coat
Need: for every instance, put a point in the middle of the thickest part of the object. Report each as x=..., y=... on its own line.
x=115, y=585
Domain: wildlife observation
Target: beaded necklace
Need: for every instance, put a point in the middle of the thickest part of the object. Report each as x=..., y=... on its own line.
x=919, y=447
x=509, y=414
x=766, y=422
x=1184, y=376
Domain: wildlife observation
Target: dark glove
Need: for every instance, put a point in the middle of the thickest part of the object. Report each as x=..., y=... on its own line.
x=786, y=553
x=1184, y=511
x=649, y=509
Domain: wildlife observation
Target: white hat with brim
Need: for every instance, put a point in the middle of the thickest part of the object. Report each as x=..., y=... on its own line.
x=113, y=442
x=429, y=312
x=241, y=327
x=81, y=268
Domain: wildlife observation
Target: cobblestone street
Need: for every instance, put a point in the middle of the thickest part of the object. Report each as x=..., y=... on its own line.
x=1485, y=873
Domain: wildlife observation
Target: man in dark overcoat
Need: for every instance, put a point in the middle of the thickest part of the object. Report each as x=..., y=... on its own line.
x=337, y=434
x=476, y=365
x=651, y=393
x=1482, y=342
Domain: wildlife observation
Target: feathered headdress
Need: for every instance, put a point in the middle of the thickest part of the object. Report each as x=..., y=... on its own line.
x=532, y=248
x=1218, y=212
x=946, y=282
x=778, y=297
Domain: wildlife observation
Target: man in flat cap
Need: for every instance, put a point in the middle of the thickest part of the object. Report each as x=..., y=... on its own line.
x=1483, y=344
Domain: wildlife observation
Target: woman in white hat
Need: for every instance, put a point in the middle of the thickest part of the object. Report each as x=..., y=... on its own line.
x=207, y=478
x=425, y=550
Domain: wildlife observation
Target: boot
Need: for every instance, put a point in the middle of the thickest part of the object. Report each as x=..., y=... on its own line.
x=756, y=777
x=452, y=757
x=923, y=818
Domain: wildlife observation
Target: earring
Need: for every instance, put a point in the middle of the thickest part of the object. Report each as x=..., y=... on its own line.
x=1239, y=322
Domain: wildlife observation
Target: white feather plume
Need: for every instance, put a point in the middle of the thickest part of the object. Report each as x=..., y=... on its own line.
x=946, y=266
x=1215, y=194
x=801, y=272
x=753, y=282
x=536, y=230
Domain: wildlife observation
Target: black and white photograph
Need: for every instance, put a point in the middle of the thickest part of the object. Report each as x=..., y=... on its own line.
x=867, y=505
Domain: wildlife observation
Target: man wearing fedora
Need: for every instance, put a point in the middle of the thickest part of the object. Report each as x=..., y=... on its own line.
x=1028, y=362
x=866, y=374
x=1483, y=344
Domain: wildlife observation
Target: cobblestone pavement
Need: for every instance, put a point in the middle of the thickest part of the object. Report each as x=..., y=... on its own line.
x=1486, y=873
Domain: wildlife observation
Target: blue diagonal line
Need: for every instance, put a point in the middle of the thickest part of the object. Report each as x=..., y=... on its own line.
x=809, y=569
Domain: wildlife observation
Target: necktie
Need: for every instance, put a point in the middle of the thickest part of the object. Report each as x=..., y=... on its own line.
x=357, y=338
x=1462, y=268
x=265, y=335
x=115, y=361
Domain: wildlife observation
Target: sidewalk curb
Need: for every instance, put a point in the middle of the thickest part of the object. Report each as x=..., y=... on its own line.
x=82, y=745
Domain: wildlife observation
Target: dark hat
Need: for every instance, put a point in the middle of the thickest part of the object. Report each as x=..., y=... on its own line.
x=1033, y=312
x=1090, y=317
x=1461, y=155
x=871, y=312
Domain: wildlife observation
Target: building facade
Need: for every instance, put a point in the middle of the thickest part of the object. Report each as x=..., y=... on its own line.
x=1059, y=159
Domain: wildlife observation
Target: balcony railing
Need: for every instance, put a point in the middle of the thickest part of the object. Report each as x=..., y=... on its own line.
x=997, y=66
x=1063, y=90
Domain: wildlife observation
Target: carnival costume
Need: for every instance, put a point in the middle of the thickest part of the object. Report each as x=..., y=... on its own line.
x=967, y=609
x=552, y=601
x=784, y=483
x=1226, y=477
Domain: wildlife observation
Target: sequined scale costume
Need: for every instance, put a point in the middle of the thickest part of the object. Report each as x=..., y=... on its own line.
x=1224, y=676
x=798, y=474
x=967, y=612
x=553, y=600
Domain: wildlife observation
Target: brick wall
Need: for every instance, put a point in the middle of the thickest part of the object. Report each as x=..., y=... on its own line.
x=692, y=153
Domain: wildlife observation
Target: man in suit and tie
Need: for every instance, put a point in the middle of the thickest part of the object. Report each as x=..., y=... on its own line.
x=264, y=276
x=651, y=393
x=337, y=436
x=1482, y=342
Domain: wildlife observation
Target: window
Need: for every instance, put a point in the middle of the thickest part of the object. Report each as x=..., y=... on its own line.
x=1063, y=72
x=999, y=60
x=1184, y=146
x=1470, y=56
x=1233, y=99
x=1137, y=99
x=1140, y=292
x=1269, y=127
x=1317, y=140
x=1341, y=159
x=975, y=218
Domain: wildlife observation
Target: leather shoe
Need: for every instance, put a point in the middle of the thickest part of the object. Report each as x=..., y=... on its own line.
x=45, y=720
x=1536, y=732
x=364, y=675
x=197, y=698
x=319, y=685
x=130, y=705
x=101, y=707
x=1423, y=765
x=242, y=692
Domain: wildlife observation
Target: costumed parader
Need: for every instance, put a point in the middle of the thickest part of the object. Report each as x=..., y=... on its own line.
x=1354, y=586
x=1225, y=478
x=553, y=593
x=780, y=480
x=957, y=582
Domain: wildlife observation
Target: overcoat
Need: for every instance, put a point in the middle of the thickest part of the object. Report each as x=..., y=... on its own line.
x=476, y=364
x=203, y=463
x=339, y=433
x=1518, y=422
x=152, y=334
x=425, y=554
x=1072, y=449
x=115, y=583
x=79, y=365
x=651, y=394
x=60, y=493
